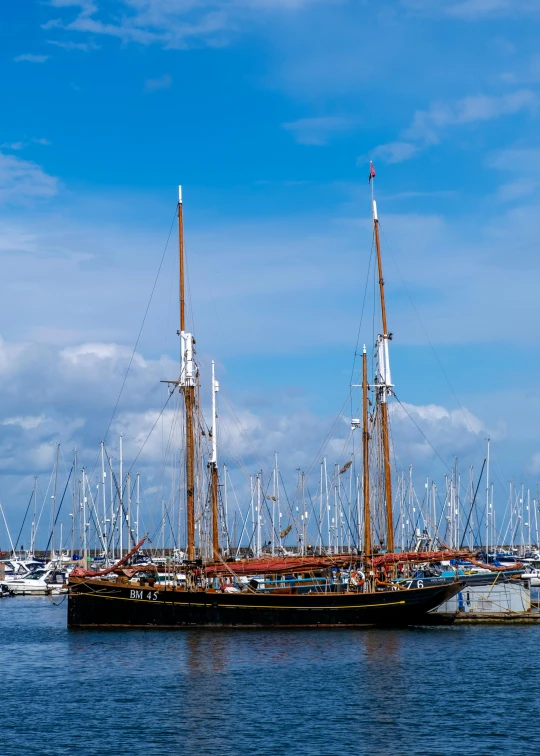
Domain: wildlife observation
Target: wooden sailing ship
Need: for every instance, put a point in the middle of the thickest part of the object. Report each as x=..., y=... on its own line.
x=324, y=590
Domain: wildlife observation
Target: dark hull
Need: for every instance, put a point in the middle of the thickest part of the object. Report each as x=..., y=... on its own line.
x=494, y=577
x=472, y=580
x=95, y=603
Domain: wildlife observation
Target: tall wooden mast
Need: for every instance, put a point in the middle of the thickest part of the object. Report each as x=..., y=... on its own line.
x=385, y=385
x=365, y=447
x=187, y=384
x=214, y=471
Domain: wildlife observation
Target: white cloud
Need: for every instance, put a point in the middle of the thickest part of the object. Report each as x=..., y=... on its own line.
x=534, y=464
x=471, y=10
x=427, y=125
x=12, y=146
x=26, y=423
x=423, y=433
x=475, y=8
x=14, y=356
x=92, y=355
x=22, y=180
x=171, y=23
x=20, y=145
x=161, y=82
x=318, y=131
x=252, y=436
x=83, y=46
x=86, y=6
x=515, y=190
x=283, y=4
x=521, y=166
x=78, y=388
x=516, y=160
x=66, y=396
x=30, y=58
x=395, y=152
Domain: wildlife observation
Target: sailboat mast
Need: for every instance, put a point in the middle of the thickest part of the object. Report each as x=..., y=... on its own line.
x=385, y=385
x=121, y=502
x=188, y=385
x=137, y=503
x=214, y=470
x=54, y=499
x=365, y=449
x=33, y=536
x=182, y=261
x=104, y=501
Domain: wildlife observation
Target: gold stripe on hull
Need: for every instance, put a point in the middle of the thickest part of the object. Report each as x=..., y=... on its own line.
x=212, y=605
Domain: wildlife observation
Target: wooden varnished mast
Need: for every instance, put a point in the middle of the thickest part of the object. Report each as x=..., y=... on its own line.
x=188, y=387
x=214, y=472
x=384, y=368
x=215, y=521
x=365, y=448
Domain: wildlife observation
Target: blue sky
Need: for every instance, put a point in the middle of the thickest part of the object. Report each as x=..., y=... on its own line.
x=268, y=111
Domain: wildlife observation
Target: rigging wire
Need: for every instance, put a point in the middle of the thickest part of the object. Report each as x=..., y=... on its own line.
x=419, y=429
x=362, y=314
x=140, y=329
x=58, y=513
x=151, y=431
x=24, y=520
x=465, y=415
x=461, y=485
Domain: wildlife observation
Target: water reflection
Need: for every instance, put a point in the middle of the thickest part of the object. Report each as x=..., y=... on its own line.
x=149, y=693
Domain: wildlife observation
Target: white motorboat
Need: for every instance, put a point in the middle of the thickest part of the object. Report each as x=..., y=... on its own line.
x=38, y=583
x=12, y=569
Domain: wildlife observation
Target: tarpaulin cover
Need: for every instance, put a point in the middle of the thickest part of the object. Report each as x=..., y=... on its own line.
x=417, y=556
x=81, y=572
x=279, y=564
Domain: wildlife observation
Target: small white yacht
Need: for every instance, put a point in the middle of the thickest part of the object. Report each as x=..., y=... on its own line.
x=11, y=569
x=38, y=583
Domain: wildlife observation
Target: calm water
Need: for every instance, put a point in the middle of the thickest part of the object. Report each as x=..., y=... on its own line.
x=318, y=692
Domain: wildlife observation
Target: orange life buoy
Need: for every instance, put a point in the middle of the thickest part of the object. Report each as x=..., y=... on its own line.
x=357, y=578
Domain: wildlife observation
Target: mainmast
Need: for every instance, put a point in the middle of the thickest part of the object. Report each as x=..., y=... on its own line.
x=214, y=471
x=187, y=385
x=384, y=381
x=365, y=448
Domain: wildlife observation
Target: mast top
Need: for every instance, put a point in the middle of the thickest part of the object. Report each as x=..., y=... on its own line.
x=179, y=194
x=364, y=349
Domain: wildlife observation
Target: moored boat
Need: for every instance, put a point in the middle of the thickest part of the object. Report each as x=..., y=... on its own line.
x=329, y=590
x=38, y=583
x=100, y=603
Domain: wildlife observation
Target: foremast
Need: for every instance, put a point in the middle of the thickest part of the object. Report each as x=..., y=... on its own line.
x=213, y=465
x=384, y=380
x=187, y=387
x=365, y=453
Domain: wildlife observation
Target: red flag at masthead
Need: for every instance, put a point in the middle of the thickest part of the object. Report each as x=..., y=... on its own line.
x=372, y=173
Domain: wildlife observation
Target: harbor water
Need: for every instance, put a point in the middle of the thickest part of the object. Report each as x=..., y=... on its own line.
x=420, y=691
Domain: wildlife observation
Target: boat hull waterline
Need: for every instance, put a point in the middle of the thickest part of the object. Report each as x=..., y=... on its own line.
x=93, y=603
